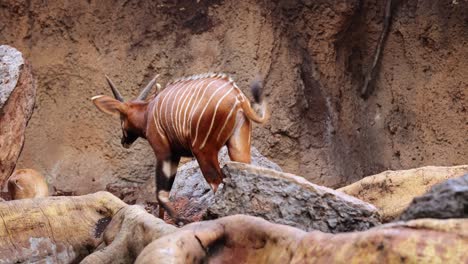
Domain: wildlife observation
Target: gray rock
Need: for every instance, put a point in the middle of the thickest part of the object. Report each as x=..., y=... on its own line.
x=11, y=62
x=17, y=97
x=448, y=199
x=289, y=199
x=190, y=186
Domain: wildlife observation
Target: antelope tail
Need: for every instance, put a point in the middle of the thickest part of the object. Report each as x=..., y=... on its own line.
x=259, y=104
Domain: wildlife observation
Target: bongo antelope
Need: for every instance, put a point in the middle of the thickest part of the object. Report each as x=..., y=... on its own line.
x=192, y=116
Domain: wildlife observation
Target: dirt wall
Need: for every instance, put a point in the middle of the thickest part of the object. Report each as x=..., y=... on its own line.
x=313, y=55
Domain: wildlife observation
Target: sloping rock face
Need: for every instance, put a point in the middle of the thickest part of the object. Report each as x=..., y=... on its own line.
x=68, y=229
x=289, y=199
x=245, y=239
x=392, y=191
x=445, y=200
x=191, y=193
x=54, y=229
x=17, y=96
x=128, y=233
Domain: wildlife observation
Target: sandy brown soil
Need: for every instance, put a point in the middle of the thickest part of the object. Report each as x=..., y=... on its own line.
x=313, y=55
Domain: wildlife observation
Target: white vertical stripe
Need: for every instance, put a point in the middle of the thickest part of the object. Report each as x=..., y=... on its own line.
x=184, y=96
x=204, y=109
x=227, y=118
x=173, y=89
x=193, y=110
x=156, y=123
x=175, y=103
x=190, y=96
x=169, y=91
x=214, y=116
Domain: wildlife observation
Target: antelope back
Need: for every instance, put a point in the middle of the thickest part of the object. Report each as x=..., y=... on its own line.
x=195, y=110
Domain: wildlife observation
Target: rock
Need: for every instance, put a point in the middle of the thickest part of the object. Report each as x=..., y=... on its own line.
x=392, y=191
x=192, y=195
x=289, y=199
x=11, y=63
x=27, y=184
x=128, y=233
x=245, y=239
x=17, y=96
x=102, y=229
x=54, y=229
x=448, y=199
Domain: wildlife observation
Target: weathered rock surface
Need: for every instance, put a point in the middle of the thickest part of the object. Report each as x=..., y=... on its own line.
x=129, y=232
x=245, y=239
x=445, y=200
x=289, y=199
x=392, y=191
x=11, y=63
x=17, y=96
x=54, y=229
x=191, y=193
x=26, y=184
x=66, y=229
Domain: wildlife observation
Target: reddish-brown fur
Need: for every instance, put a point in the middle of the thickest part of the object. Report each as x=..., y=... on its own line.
x=194, y=116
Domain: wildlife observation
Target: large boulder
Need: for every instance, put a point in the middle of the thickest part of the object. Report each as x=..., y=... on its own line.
x=445, y=200
x=27, y=184
x=192, y=195
x=289, y=199
x=392, y=191
x=128, y=233
x=17, y=96
x=245, y=239
x=102, y=229
x=54, y=229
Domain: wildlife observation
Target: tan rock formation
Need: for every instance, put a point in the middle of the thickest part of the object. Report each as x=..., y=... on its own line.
x=54, y=229
x=27, y=183
x=244, y=239
x=392, y=191
x=66, y=229
x=130, y=231
x=288, y=199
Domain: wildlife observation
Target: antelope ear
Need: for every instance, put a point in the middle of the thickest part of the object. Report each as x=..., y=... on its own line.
x=109, y=105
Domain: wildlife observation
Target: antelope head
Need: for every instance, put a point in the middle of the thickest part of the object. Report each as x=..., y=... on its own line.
x=132, y=113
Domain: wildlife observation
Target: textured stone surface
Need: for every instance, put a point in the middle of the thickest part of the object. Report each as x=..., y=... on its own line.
x=312, y=54
x=17, y=97
x=192, y=194
x=392, y=191
x=11, y=63
x=27, y=184
x=289, y=199
x=128, y=233
x=445, y=200
x=106, y=230
x=54, y=229
x=244, y=239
